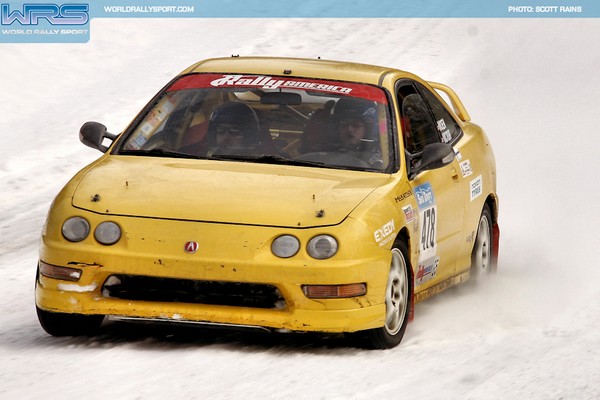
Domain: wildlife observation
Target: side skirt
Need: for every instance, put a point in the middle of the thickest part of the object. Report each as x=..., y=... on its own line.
x=440, y=287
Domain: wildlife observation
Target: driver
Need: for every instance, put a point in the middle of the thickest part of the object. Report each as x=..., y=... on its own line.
x=233, y=129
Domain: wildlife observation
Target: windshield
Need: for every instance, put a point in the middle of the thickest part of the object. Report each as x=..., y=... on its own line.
x=268, y=119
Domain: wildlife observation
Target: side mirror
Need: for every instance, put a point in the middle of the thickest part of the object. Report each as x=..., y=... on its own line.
x=434, y=156
x=92, y=134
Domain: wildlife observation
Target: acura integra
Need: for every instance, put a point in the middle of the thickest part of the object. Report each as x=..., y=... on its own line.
x=274, y=193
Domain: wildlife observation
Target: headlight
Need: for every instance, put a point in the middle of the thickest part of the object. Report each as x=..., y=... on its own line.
x=322, y=247
x=75, y=229
x=107, y=233
x=285, y=246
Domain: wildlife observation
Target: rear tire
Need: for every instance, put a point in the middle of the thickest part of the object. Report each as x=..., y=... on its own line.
x=482, y=255
x=398, y=296
x=61, y=324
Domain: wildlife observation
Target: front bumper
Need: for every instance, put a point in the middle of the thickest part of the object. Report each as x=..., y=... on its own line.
x=230, y=256
x=294, y=319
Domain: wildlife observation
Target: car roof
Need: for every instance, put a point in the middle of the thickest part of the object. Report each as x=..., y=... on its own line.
x=299, y=67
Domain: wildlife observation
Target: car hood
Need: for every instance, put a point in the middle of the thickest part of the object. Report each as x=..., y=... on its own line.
x=223, y=191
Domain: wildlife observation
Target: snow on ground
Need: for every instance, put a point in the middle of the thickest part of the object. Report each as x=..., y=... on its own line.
x=532, y=332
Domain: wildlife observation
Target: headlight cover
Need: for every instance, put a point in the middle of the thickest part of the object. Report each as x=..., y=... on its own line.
x=75, y=229
x=107, y=233
x=322, y=247
x=285, y=246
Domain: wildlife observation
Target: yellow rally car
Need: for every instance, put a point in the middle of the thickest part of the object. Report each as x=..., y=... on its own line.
x=275, y=193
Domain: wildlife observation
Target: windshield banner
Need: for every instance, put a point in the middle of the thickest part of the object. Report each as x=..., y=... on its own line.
x=195, y=81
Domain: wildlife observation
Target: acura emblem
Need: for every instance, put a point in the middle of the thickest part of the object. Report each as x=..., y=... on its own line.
x=191, y=247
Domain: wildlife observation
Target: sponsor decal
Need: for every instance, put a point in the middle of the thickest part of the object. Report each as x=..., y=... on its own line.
x=476, y=187
x=446, y=136
x=403, y=196
x=426, y=270
x=384, y=234
x=427, y=221
x=267, y=82
x=424, y=194
x=458, y=155
x=153, y=121
x=264, y=82
x=441, y=127
x=409, y=213
x=465, y=168
x=191, y=247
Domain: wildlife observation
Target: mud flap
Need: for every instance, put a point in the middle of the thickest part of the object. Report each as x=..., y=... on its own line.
x=496, y=246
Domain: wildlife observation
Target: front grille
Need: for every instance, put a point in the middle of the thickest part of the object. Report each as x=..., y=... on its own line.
x=145, y=288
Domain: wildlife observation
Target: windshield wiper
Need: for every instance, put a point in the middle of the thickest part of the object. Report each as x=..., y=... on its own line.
x=159, y=152
x=267, y=159
x=260, y=159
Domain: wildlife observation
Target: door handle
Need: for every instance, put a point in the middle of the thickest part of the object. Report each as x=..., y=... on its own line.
x=454, y=174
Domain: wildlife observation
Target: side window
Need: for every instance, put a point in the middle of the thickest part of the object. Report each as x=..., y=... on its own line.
x=418, y=125
x=445, y=124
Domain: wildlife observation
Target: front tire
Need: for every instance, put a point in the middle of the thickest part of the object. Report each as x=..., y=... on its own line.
x=61, y=324
x=398, y=297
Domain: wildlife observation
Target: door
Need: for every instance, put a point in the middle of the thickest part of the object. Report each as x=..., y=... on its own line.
x=439, y=193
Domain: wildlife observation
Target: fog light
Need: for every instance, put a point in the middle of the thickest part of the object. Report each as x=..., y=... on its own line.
x=334, y=291
x=63, y=273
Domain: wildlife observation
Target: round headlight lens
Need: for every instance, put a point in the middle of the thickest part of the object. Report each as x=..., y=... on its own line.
x=322, y=247
x=285, y=246
x=75, y=229
x=108, y=233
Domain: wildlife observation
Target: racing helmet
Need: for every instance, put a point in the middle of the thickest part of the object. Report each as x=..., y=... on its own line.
x=353, y=108
x=238, y=116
